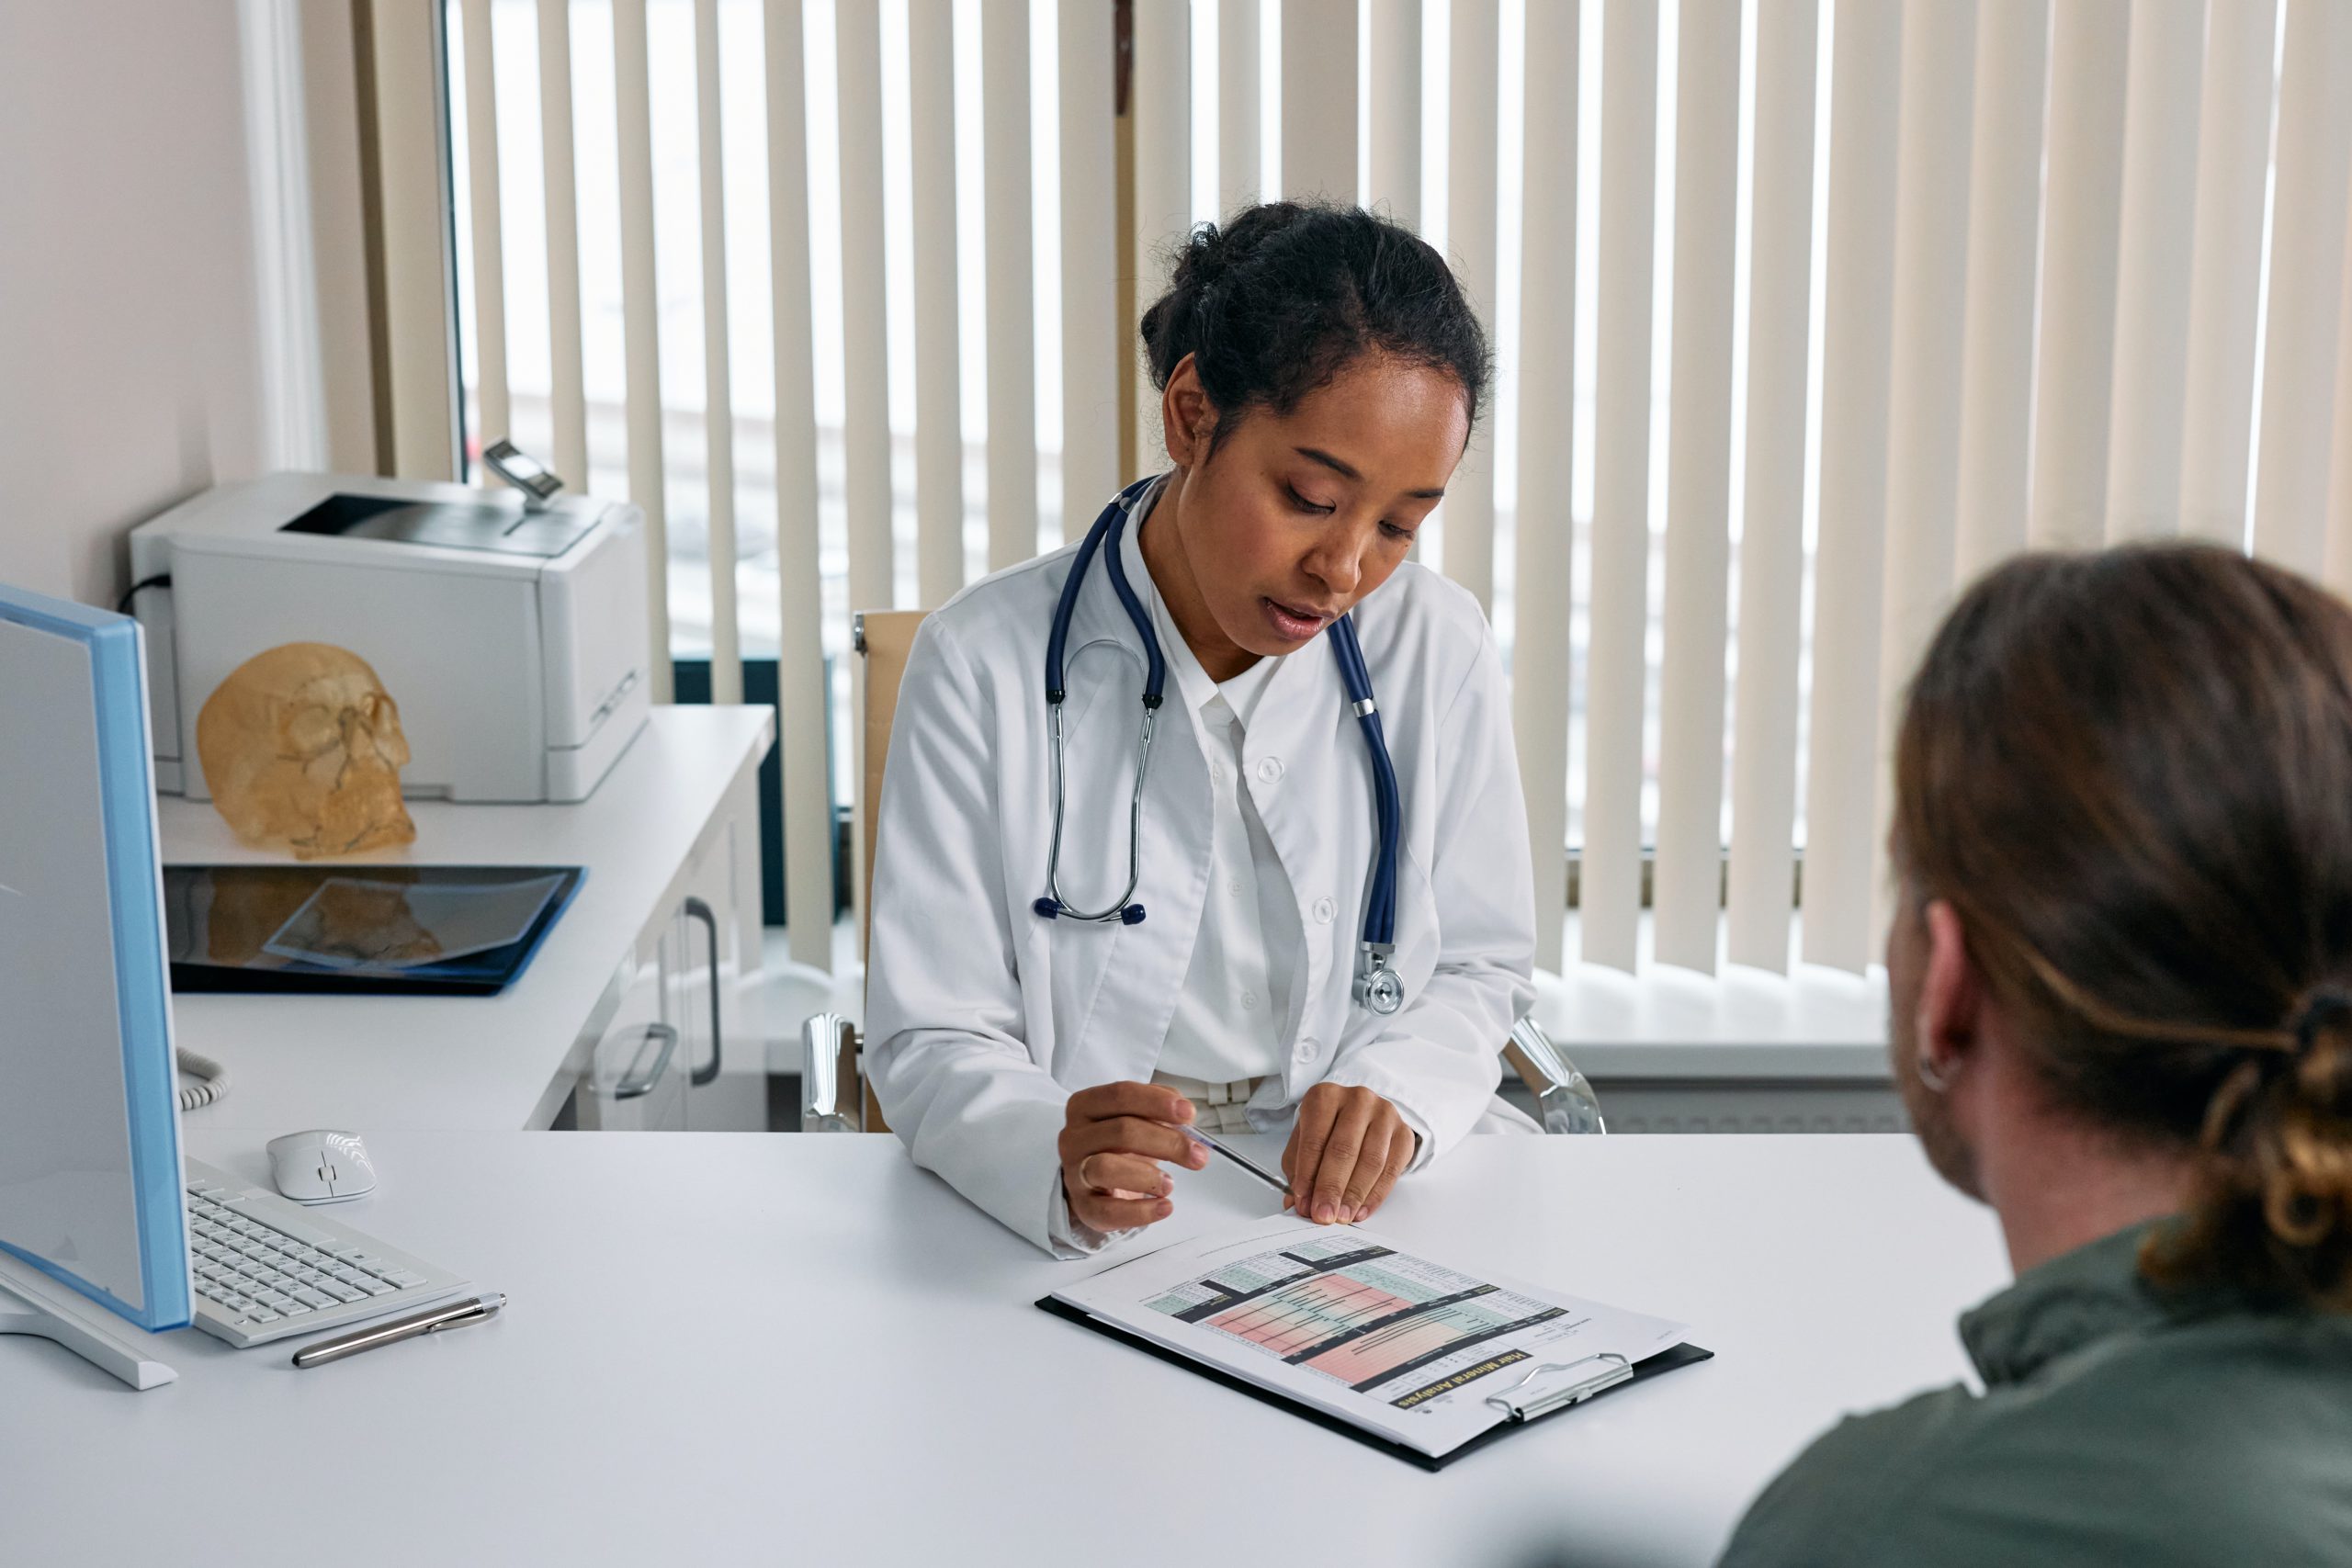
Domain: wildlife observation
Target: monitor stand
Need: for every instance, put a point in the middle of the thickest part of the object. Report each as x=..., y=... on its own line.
x=31, y=1302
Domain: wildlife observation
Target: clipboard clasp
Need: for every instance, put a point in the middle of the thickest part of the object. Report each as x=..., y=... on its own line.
x=1618, y=1370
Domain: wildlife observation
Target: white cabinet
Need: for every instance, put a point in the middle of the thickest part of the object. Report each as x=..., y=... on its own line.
x=668, y=1054
x=676, y=819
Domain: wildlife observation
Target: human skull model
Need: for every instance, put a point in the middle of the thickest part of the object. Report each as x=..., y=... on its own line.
x=302, y=748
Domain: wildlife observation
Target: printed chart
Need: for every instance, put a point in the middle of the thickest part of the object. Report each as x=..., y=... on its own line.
x=1362, y=1315
x=1339, y=1320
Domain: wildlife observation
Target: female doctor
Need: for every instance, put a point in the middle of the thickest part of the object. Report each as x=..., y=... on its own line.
x=1169, y=707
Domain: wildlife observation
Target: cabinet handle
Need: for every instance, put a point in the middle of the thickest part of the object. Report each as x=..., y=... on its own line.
x=636, y=1086
x=696, y=909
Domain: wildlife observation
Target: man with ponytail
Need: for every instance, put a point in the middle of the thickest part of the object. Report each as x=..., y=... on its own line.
x=2120, y=972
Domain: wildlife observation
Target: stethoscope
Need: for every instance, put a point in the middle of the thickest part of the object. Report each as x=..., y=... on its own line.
x=1377, y=986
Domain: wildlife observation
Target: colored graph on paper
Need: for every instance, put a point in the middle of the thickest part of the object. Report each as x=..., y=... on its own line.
x=1310, y=1313
x=1415, y=1340
x=1359, y=1315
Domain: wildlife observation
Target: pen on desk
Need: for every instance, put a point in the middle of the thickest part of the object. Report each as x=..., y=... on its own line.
x=431, y=1320
x=1252, y=1166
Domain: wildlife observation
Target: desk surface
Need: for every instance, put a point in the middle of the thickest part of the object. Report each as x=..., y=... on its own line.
x=748, y=1347
x=499, y=1063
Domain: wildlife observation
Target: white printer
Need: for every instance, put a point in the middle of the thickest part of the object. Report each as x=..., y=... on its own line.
x=510, y=629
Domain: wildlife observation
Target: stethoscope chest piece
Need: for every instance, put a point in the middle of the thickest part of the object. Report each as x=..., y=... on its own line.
x=1377, y=987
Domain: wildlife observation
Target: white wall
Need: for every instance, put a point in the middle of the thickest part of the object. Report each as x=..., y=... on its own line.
x=128, y=360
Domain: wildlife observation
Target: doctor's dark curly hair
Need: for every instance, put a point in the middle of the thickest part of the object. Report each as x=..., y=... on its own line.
x=1287, y=295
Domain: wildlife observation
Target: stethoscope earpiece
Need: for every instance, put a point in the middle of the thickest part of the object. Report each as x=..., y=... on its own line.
x=1377, y=987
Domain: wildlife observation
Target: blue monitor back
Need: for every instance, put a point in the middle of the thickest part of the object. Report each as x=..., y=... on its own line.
x=90, y=1184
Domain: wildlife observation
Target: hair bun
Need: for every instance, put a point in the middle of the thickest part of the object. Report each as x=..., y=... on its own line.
x=1278, y=300
x=1206, y=257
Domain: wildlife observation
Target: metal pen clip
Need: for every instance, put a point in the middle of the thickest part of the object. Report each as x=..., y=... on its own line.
x=1574, y=1394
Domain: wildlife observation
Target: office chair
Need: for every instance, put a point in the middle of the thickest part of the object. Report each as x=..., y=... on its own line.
x=835, y=1096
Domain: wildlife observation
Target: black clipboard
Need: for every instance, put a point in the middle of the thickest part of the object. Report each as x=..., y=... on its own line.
x=1682, y=1355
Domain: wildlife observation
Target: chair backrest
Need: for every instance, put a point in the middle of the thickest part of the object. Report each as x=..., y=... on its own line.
x=883, y=639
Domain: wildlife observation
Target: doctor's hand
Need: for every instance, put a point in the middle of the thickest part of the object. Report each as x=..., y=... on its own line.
x=1112, y=1138
x=1346, y=1150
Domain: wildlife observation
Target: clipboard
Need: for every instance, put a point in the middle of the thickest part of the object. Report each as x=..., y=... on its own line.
x=1529, y=1406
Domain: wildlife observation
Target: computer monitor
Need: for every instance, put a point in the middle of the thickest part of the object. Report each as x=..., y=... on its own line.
x=93, y=1217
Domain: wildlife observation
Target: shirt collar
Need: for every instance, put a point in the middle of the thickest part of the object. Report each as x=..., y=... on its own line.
x=2076, y=1300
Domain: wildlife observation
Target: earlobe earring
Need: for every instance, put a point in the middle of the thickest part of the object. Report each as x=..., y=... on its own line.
x=1935, y=1079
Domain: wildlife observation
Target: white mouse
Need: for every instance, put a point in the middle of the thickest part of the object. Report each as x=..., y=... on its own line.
x=322, y=1166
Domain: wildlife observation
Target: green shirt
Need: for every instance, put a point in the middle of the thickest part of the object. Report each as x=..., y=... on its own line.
x=2118, y=1424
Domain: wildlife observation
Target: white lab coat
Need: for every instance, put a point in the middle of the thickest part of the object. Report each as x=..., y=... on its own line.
x=982, y=1017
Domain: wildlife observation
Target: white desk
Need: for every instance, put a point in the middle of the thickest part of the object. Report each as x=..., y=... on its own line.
x=793, y=1405
x=497, y=1063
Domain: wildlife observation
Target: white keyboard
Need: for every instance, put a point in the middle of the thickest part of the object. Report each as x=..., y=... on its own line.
x=265, y=1268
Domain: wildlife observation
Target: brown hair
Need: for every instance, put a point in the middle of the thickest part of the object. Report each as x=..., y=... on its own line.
x=2130, y=774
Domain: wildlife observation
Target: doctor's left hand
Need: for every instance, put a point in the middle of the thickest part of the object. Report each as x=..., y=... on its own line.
x=1347, y=1149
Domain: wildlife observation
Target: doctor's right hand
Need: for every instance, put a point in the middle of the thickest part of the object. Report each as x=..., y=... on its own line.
x=1113, y=1140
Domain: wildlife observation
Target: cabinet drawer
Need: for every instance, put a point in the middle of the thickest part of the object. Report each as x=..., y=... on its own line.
x=636, y=1076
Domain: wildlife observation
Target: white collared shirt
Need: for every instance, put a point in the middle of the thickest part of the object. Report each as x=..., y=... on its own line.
x=1233, y=1015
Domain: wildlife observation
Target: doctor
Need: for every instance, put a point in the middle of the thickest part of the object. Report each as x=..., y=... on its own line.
x=1291, y=952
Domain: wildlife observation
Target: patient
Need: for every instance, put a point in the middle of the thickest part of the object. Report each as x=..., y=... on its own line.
x=2121, y=974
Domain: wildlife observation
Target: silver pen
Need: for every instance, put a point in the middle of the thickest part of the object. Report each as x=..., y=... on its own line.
x=1252, y=1166
x=431, y=1320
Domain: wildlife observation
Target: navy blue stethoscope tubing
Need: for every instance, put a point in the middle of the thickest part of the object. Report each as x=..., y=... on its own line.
x=1380, y=905
x=1380, y=914
x=1106, y=528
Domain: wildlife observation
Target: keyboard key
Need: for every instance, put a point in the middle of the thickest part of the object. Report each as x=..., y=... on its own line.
x=342, y=1292
x=403, y=1277
x=259, y=1313
x=375, y=1287
x=290, y=1307
x=313, y=1298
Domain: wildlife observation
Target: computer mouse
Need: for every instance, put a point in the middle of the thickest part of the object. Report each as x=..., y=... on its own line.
x=322, y=1166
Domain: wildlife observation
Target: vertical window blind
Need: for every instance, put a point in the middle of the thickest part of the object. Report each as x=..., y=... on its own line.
x=1806, y=311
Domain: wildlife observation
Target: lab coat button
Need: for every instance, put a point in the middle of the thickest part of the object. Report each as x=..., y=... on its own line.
x=1249, y=999
x=1307, y=1049
x=1325, y=910
x=1269, y=769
